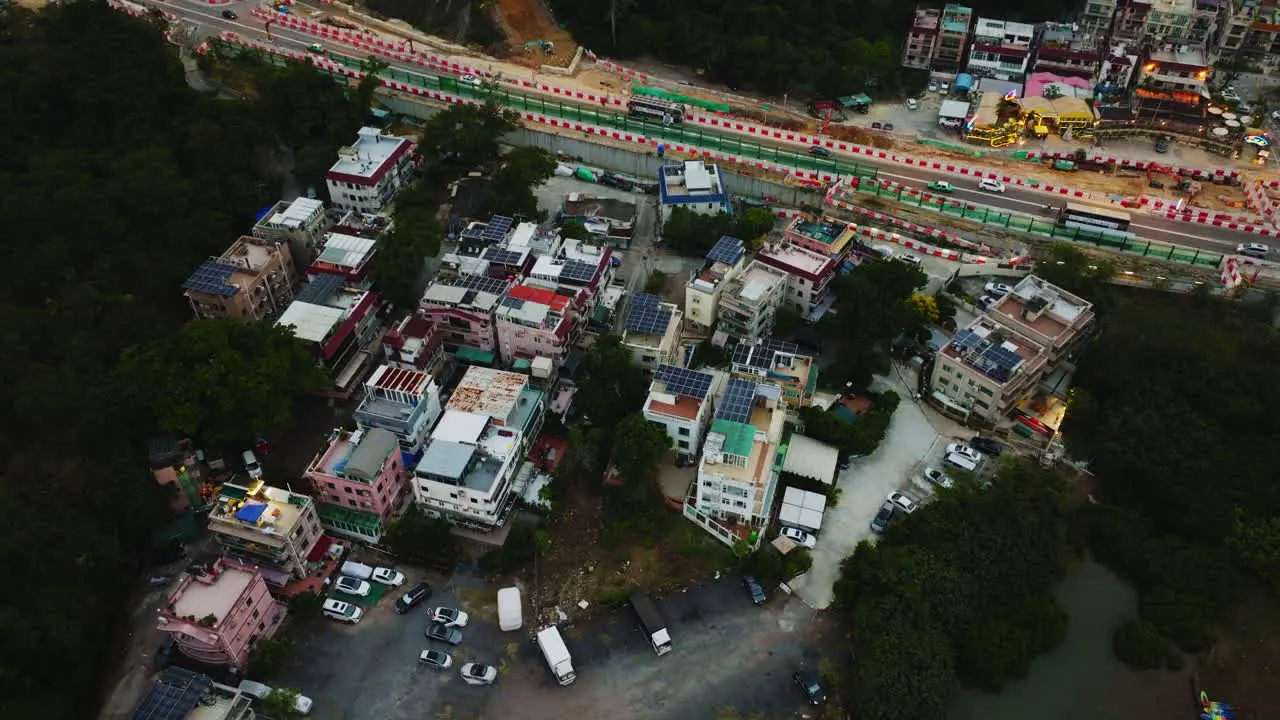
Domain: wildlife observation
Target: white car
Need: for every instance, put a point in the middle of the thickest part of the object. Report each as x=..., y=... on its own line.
x=259, y=691
x=998, y=289
x=353, y=586
x=913, y=104
x=478, y=674
x=937, y=477
x=471, y=80
x=933, y=86
x=945, y=87
x=1275, y=116
x=964, y=451
x=991, y=185
x=906, y=504
x=449, y=617
x=986, y=301
x=387, y=576
x=435, y=659
x=342, y=611
x=1255, y=250
x=800, y=537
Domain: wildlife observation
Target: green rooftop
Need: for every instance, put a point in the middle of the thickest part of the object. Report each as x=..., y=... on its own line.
x=361, y=522
x=738, y=437
x=475, y=356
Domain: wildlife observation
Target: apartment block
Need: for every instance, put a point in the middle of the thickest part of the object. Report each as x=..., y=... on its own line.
x=1096, y=17
x=652, y=331
x=693, y=185
x=1185, y=22
x=462, y=308
x=953, y=38
x=405, y=403
x=180, y=694
x=609, y=220
x=1046, y=314
x=1250, y=27
x=478, y=236
x=300, y=223
x=217, y=613
x=750, y=301
x=340, y=325
x=827, y=236
x=1173, y=85
x=253, y=280
x=808, y=277
x=1117, y=67
x=726, y=260
x=778, y=363
x=369, y=173
x=414, y=343
x=680, y=400
x=1067, y=50
x=505, y=397
x=360, y=483
x=348, y=257
x=532, y=323
x=579, y=269
x=1001, y=49
x=269, y=527
x=922, y=38
x=1130, y=22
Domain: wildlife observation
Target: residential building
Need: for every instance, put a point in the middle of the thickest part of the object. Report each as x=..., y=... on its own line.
x=1130, y=22
x=953, y=38
x=1251, y=28
x=986, y=369
x=1168, y=22
x=340, y=325
x=607, y=219
x=405, y=403
x=174, y=464
x=346, y=256
x=506, y=397
x=369, y=173
x=533, y=322
x=253, y=280
x=1096, y=17
x=476, y=237
x=1047, y=314
x=828, y=236
x=360, y=482
x=181, y=694
x=265, y=526
x=652, y=331
x=217, y=613
x=778, y=363
x=1000, y=49
x=300, y=223
x=463, y=309
x=1173, y=85
x=726, y=260
x=750, y=301
x=922, y=38
x=737, y=477
x=1067, y=50
x=576, y=268
x=680, y=400
x=1116, y=70
x=808, y=277
x=695, y=186
x=414, y=343
x=468, y=473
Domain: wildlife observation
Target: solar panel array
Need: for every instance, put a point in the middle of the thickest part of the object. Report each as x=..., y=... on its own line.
x=647, y=316
x=965, y=339
x=1002, y=357
x=511, y=302
x=174, y=695
x=211, y=277
x=483, y=284
x=320, y=289
x=761, y=356
x=683, y=381
x=496, y=229
x=474, y=234
x=578, y=270
x=737, y=400
x=727, y=250
x=502, y=256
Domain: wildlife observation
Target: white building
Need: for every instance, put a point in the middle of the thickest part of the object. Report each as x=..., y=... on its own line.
x=369, y=173
x=652, y=331
x=680, y=400
x=404, y=402
x=695, y=186
x=809, y=277
x=725, y=262
x=301, y=223
x=467, y=472
x=1000, y=49
x=749, y=302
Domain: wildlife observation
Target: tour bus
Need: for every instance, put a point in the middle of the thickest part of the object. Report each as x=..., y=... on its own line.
x=1092, y=217
x=668, y=112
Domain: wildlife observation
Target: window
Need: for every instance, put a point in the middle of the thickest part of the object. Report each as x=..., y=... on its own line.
x=331, y=486
x=255, y=614
x=683, y=432
x=348, y=490
x=684, y=444
x=352, y=503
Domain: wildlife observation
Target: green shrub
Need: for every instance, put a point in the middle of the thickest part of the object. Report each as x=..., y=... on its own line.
x=1140, y=645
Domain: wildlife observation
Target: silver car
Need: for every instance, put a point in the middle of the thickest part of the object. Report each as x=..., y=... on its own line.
x=437, y=631
x=479, y=674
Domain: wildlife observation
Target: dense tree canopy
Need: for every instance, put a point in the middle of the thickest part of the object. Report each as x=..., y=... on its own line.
x=690, y=233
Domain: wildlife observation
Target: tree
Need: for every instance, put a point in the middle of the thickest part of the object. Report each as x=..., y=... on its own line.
x=924, y=308
x=887, y=640
x=466, y=136
x=574, y=230
x=222, y=380
x=1256, y=545
x=280, y=704
x=787, y=320
x=656, y=282
x=270, y=656
x=305, y=607
x=609, y=386
x=423, y=540
x=639, y=446
x=511, y=189
x=415, y=236
x=879, y=291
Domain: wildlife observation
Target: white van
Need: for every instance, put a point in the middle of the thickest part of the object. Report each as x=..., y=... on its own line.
x=251, y=465
x=510, y=611
x=302, y=704
x=960, y=461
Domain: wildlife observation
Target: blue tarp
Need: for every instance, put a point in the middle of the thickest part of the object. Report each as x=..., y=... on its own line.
x=964, y=82
x=251, y=512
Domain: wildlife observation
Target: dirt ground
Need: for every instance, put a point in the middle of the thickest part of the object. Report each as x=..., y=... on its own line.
x=528, y=21
x=1243, y=668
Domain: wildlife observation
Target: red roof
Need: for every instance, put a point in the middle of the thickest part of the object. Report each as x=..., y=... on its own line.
x=539, y=295
x=381, y=172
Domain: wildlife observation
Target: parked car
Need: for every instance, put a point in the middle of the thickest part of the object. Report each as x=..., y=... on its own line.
x=883, y=517
x=808, y=681
x=405, y=602
x=937, y=477
x=909, y=259
x=1162, y=144
x=986, y=446
x=342, y=611
x=963, y=450
x=941, y=186
x=438, y=631
x=876, y=126
x=913, y=104
x=990, y=185
x=998, y=289
x=944, y=87
x=471, y=80
x=933, y=86
x=800, y=537
x=819, y=151
x=1275, y=116
x=301, y=705
x=1230, y=94
x=963, y=462
x=986, y=301
x=888, y=127
x=352, y=586
x=387, y=576
x=435, y=659
x=906, y=504
x=754, y=589
x=229, y=15
x=479, y=674
x=251, y=465
x=449, y=617
x=1254, y=250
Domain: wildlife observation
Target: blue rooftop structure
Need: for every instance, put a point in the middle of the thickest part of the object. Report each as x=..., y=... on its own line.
x=693, y=184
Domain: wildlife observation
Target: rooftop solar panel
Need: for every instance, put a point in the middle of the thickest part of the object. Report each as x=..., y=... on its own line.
x=496, y=229
x=320, y=289
x=647, y=316
x=483, y=284
x=578, y=270
x=683, y=381
x=761, y=355
x=212, y=277
x=727, y=250
x=966, y=339
x=173, y=696
x=502, y=256
x=511, y=302
x=639, y=299
x=736, y=403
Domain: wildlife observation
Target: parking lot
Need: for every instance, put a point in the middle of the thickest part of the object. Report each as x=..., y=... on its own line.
x=727, y=653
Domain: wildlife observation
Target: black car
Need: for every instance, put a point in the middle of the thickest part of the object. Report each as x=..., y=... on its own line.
x=882, y=518
x=438, y=631
x=754, y=589
x=808, y=681
x=229, y=15
x=819, y=151
x=986, y=446
x=405, y=602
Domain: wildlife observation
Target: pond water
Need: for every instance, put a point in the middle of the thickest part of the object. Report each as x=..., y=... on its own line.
x=1081, y=679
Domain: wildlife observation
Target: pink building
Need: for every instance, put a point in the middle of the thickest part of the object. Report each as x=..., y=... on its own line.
x=414, y=344
x=533, y=322
x=218, y=616
x=463, y=309
x=360, y=483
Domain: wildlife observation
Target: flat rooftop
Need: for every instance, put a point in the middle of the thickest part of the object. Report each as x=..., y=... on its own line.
x=590, y=206
x=798, y=261
x=832, y=234
x=677, y=406
x=292, y=215
x=995, y=352
x=346, y=251
x=216, y=595
x=756, y=469
x=312, y=323
x=533, y=307
x=757, y=283
x=473, y=466
x=691, y=182
x=1181, y=55
x=488, y=391
x=268, y=515
x=370, y=156
x=1044, y=311
x=481, y=298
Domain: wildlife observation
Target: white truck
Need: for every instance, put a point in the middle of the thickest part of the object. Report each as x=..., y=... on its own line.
x=357, y=570
x=651, y=620
x=557, y=655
